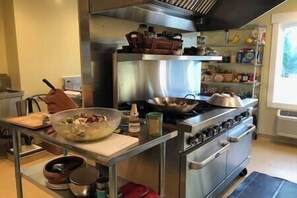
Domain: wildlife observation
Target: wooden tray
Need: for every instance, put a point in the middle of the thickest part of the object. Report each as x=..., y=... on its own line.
x=31, y=121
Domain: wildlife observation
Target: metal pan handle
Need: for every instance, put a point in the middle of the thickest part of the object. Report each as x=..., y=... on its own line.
x=186, y=96
x=198, y=165
x=251, y=129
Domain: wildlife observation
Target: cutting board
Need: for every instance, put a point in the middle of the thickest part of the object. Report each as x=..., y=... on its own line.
x=31, y=121
x=110, y=145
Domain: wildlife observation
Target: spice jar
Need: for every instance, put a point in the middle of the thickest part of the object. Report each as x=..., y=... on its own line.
x=134, y=123
x=102, y=187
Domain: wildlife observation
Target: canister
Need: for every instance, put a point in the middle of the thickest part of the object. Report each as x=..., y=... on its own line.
x=239, y=56
x=102, y=187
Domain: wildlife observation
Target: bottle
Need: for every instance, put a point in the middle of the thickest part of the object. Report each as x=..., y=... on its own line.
x=151, y=32
x=239, y=56
x=134, y=123
x=233, y=58
x=142, y=28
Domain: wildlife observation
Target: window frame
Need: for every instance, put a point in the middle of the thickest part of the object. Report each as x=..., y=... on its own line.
x=276, y=46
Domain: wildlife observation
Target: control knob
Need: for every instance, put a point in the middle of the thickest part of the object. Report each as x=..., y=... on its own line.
x=200, y=137
x=207, y=133
x=238, y=118
x=192, y=140
x=231, y=121
x=245, y=114
x=226, y=125
x=217, y=129
x=211, y=131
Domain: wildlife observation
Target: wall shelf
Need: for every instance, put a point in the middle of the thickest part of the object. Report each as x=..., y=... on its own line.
x=121, y=57
x=231, y=83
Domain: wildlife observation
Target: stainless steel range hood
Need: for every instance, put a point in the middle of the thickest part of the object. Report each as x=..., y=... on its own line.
x=189, y=15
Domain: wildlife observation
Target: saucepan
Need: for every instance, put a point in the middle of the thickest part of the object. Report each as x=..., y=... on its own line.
x=173, y=105
x=228, y=99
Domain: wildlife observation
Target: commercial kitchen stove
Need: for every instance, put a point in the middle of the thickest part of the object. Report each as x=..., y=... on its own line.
x=212, y=148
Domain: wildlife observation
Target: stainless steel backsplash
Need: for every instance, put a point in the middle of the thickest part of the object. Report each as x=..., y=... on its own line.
x=140, y=80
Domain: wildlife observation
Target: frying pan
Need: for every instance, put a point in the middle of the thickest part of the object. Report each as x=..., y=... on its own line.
x=172, y=105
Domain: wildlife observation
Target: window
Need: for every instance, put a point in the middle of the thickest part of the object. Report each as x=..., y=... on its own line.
x=282, y=90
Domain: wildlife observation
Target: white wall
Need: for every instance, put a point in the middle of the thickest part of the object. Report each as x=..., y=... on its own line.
x=267, y=115
x=3, y=58
x=47, y=42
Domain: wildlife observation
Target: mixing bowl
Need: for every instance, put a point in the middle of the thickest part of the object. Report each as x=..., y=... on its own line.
x=85, y=124
x=57, y=171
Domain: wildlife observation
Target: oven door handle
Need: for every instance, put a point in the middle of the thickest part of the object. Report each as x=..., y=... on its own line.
x=251, y=129
x=198, y=165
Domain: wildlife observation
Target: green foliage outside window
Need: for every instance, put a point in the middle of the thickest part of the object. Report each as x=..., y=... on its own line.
x=290, y=52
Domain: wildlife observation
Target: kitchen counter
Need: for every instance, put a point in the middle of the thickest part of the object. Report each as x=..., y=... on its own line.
x=145, y=142
x=11, y=94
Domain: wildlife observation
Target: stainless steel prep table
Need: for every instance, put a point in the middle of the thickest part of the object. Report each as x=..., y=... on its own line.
x=145, y=142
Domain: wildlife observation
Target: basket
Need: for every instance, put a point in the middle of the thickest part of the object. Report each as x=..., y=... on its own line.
x=140, y=44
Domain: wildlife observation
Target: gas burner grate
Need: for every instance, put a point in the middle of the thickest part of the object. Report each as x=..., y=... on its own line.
x=173, y=118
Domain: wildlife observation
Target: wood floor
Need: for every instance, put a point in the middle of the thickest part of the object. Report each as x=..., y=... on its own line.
x=267, y=157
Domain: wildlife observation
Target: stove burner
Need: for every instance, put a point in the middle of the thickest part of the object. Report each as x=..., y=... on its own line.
x=173, y=118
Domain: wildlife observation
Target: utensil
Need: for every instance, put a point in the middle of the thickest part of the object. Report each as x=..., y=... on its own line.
x=228, y=99
x=81, y=131
x=173, y=105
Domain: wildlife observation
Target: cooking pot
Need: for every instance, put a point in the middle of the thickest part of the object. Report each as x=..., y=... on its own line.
x=173, y=105
x=57, y=171
x=83, y=181
x=225, y=100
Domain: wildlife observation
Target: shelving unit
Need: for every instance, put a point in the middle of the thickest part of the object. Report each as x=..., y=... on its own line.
x=248, y=42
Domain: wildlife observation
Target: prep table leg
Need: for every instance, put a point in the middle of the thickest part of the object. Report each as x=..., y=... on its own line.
x=162, y=169
x=113, y=183
x=17, y=167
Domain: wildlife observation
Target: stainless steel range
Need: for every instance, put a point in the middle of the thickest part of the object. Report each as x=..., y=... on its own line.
x=212, y=148
x=215, y=149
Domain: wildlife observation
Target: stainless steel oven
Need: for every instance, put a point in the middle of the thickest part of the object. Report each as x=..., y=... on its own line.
x=206, y=168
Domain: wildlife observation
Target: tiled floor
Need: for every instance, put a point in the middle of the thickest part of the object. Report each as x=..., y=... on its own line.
x=267, y=157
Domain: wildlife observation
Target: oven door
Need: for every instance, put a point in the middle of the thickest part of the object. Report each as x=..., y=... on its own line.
x=204, y=168
x=240, y=138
